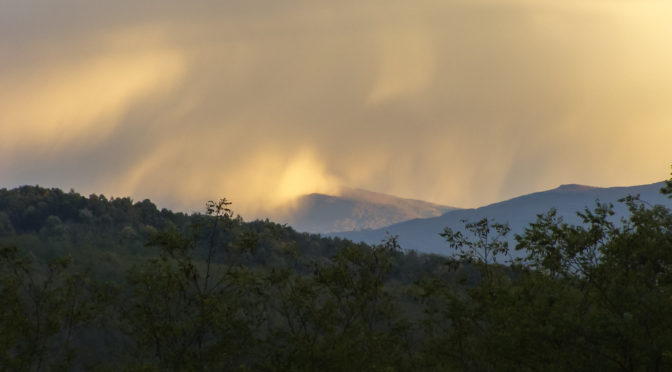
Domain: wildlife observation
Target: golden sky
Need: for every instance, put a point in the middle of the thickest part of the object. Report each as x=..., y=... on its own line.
x=461, y=102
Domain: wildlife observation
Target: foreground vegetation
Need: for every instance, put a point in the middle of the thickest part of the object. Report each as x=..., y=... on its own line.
x=103, y=284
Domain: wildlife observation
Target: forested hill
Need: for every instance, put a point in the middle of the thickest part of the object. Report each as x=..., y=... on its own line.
x=127, y=268
x=90, y=283
x=95, y=230
x=37, y=210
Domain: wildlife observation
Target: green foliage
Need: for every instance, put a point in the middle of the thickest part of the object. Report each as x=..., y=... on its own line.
x=212, y=292
x=182, y=314
x=340, y=318
x=6, y=227
x=485, y=248
x=42, y=312
x=667, y=189
x=187, y=314
x=589, y=297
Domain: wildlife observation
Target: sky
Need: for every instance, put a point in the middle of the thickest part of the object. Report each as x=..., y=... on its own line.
x=459, y=102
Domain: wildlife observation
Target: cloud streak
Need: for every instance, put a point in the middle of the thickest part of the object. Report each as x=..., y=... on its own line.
x=456, y=102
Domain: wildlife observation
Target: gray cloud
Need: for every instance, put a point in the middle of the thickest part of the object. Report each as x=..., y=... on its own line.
x=458, y=102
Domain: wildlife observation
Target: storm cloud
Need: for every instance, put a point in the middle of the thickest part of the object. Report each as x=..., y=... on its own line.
x=456, y=102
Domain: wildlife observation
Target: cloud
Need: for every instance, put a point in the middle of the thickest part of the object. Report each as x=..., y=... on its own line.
x=457, y=102
x=406, y=63
x=74, y=102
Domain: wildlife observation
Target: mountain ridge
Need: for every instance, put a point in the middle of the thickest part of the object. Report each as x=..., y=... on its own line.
x=355, y=210
x=422, y=234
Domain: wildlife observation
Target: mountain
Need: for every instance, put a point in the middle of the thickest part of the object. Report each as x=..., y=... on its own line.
x=423, y=234
x=355, y=210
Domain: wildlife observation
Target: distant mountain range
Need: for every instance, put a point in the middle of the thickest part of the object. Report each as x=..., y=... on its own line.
x=422, y=234
x=355, y=210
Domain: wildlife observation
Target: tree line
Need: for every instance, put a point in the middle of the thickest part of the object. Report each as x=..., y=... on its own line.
x=90, y=283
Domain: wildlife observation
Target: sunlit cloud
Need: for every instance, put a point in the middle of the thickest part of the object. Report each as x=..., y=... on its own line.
x=406, y=63
x=456, y=102
x=56, y=102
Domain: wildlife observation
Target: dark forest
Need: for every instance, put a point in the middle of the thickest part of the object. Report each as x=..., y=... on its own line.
x=91, y=283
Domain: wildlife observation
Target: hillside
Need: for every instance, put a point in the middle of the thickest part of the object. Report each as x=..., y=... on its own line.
x=422, y=235
x=90, y=283
x=355, y=210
